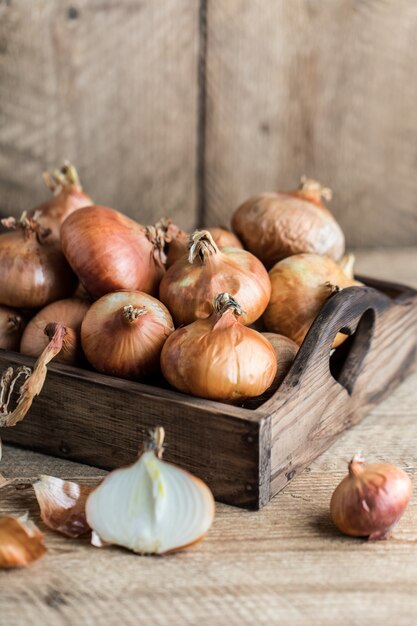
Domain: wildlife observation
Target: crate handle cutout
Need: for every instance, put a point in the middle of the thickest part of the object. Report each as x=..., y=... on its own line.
x=346, y=361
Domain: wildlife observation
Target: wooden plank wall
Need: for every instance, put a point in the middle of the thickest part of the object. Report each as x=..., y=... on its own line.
x=322, y=87
x=110, y=85
x=190, y=106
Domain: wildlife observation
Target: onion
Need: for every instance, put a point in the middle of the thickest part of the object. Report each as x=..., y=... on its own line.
x=150, y=507
x=33, y=270
x=178, y=246
x=190, y=285
x=218, y=357
x=224, y=238
x=68, y=197
x=21, y=542
x=110, y=252
x=370, y=500
x=62, y=505
x=70, y=313
x=11, y=328
x=276, y=225
x=285, y=351
x=123, y=334
x=301, y=285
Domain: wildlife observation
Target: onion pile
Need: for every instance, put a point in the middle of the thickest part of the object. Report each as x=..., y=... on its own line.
x=123, y=334
x=276, y=225
x=218, y=357
x=11, y=328
x=301, y=284
x=70, y=313
x=33, y=270
x=110, y=252
x=191, y=284
x=68, y=196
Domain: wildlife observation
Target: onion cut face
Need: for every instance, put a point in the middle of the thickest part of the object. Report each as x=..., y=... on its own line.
x=150, y=507
x=123, y=333
x=276, y=225
x=70, y=312
x=110, y=252
x=11, y=328
x=301, y=284
x=68, y=196
x=191, y=284
x=219, y=358
x=33, y=270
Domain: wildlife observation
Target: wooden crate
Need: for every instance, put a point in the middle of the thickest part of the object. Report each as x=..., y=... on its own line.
x=246, y=456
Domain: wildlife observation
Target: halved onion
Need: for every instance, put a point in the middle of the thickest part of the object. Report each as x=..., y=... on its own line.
x=150, y=507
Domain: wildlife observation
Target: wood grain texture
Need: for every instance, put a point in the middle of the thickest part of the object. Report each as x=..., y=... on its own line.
x=319, y=87
x=111, y=86
x=285, y=564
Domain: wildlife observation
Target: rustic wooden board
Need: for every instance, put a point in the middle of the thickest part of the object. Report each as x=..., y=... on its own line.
x=111, y=86
x=321, y=87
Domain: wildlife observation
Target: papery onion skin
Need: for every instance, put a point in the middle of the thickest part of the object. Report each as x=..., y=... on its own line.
x=220, y=359
x=150, y=507
x=110, y=252
x=68, y=197
x=70, y=312
x=129, y=349
x=21, y=542
x=33, y=270
x=276, y=225
x=370, y=500
x=62, y=505
x=12, y=324
x=188, y=288
x=301, y=284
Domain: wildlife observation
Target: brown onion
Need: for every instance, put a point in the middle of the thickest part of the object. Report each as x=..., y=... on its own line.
x=370, y=500
x=285, y=351
x=33, y=270
x=301, y=284
x=11, y=327
x=178, y=246
x=110, y=252
x=191, y=284
x=68, y=197
x=123, y=334
x=69, y=312
x=218, y=357
x=276, y=225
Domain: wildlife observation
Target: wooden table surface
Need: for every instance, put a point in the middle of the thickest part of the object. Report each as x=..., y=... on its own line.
x=283, y=565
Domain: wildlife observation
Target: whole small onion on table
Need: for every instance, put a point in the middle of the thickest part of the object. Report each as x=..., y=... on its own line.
x=123, y=333
x=218, y=357
x=33, y=270
x=370, y=500
x=301, y=284
x=276, y=225
x=110, y=252
x=68, y=196
x=191, y=284
x=70, y=313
